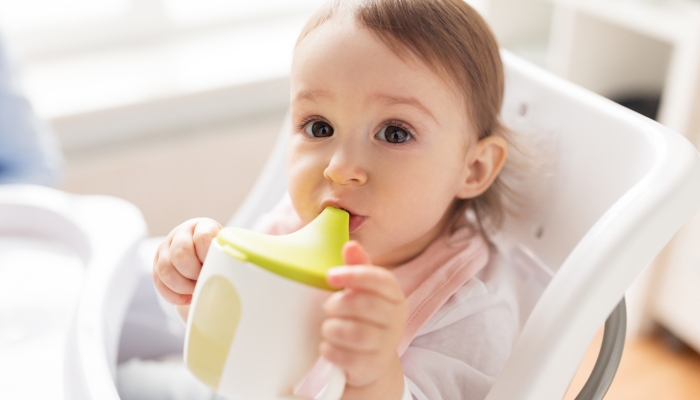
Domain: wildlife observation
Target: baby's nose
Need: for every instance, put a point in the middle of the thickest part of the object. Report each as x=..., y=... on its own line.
x=345, y=168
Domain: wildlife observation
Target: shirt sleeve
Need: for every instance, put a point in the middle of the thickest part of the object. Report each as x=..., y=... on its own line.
x=29, y=153
x=462, y=349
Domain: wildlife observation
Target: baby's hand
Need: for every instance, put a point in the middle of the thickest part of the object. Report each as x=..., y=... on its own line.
x=364, y=326
x=180, y=257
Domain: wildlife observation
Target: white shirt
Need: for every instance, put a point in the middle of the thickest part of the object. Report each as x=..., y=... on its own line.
x=461, y=350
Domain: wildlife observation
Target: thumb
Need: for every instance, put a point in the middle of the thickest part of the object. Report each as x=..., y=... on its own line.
x=205, y=230
x=355, y=254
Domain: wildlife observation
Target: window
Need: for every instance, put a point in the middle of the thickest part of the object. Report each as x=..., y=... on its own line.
x=46, y=28
x=103, y=70
x=192, y=12
x=28, y=15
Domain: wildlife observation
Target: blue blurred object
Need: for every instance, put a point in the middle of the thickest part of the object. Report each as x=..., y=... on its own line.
x=29, y=152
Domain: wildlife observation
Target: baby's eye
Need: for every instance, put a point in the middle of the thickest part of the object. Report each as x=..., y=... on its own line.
x=319, y=129
x=393, y=134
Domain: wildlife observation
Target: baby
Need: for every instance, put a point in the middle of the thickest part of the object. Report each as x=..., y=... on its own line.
x=394, y=109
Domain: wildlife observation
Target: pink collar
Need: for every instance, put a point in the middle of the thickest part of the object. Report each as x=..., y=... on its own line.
x=431, y=278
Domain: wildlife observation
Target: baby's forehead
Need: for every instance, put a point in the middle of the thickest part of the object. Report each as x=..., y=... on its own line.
x=342, y=33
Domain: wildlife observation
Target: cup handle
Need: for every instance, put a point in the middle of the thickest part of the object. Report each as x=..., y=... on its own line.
x=324, y=381
x=336, y=385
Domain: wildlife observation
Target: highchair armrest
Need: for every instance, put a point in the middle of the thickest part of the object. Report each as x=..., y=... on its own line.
x=609, y=356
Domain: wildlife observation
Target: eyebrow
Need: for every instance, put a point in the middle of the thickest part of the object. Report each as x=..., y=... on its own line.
x=312, y=95
x=411, y=101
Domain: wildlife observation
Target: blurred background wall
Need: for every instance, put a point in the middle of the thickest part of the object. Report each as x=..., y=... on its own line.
x=170, y=104
x=174, y=104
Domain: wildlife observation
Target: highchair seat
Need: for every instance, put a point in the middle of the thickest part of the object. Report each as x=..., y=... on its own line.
x=50, y=244
x=613, y=190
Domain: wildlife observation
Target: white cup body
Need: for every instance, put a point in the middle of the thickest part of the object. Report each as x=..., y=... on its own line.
x=275, y=342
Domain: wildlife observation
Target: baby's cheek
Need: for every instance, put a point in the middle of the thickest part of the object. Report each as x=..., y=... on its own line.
x=302, y=197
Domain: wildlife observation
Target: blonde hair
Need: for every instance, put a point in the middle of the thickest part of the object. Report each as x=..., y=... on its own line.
x=453, y=39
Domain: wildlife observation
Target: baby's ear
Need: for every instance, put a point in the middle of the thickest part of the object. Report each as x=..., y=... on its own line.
x=485, y=160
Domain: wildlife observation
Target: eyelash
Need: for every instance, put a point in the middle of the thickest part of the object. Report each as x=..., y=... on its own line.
x=402, y=125
x=307, y=121
x=392, y=122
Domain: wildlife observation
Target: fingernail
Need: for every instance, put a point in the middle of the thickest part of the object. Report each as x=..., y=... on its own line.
x=333, y=274
x=336, y=271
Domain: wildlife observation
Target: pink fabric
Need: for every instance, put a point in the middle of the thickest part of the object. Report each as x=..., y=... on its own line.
x=430, y=279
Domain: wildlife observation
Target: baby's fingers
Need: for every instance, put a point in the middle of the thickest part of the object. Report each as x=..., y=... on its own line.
x=169, y=295
x=205, y=230
x=353, y=335
x=360, y=306
x=362, y=368
x=167, y=275
x=183, y=255
x=367, y=278
x=189, y=244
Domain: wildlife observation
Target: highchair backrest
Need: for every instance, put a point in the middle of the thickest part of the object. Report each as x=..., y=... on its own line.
x=618, y=187
x=608, y=191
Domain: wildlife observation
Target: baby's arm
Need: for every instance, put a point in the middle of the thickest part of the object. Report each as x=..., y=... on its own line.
x=364, y=326
x=179, y=259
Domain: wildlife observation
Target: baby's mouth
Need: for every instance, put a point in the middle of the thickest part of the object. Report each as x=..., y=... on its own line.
x=355, y=222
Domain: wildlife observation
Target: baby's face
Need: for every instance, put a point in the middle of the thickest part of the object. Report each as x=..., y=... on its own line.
x=384, y=138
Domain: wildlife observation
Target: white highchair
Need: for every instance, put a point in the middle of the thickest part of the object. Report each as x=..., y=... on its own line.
x=51, y=243
x=616, y=187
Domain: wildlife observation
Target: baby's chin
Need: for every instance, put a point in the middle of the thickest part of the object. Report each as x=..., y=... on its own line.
x=379, y=255
x=387, y=253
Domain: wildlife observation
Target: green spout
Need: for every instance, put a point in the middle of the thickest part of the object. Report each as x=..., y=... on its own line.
x=304, y=256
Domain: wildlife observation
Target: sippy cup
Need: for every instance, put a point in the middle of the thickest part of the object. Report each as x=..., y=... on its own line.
x=253, y=327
